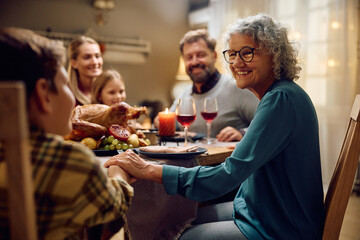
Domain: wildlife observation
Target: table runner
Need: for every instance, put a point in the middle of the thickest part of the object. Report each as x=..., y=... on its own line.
x=154, y=214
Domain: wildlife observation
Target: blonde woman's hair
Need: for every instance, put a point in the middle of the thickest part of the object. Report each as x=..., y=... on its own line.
x=101, y=81
x=73, y=73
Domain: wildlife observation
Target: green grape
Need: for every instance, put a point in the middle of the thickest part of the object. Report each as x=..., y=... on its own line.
x=131, y=146
x=104, y=141
x=115, y=142
x=110, y=139
x=148, y=141
x=118, y=146
x=112, y=147
x=124, y=146
x=107, y=147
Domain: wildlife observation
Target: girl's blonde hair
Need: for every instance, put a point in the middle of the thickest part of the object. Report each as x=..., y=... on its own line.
x=73, y=73
x=101, y=81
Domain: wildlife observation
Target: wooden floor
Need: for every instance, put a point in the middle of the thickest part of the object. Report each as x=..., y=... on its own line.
x=351, y=225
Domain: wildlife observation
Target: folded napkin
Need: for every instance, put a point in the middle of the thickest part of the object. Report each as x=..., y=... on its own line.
x=163, y=149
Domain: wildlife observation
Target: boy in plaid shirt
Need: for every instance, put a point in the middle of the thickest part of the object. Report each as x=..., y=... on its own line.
x=71, y=189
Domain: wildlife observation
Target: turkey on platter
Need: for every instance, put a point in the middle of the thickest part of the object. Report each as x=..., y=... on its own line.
x=93, y=120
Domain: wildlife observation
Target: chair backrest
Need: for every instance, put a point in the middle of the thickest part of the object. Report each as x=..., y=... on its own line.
x=343, y=177
x=14, y=138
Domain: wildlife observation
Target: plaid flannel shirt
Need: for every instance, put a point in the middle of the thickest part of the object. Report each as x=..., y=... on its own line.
x=72, y=190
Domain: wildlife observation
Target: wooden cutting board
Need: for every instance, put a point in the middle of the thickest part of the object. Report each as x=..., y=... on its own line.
x=214, y=155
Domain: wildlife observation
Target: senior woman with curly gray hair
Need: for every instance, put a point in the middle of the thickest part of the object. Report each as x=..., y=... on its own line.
x=277, y=162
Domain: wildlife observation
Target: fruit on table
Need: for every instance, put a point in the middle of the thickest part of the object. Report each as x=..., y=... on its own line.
x=110, y=139
x=148, y=141
x=133, y=140
x=143, y=143
x=124, y=146
x=119, y=132
x=111, y=143
x=89, y=142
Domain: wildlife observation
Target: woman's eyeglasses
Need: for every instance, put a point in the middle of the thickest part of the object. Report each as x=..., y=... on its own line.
x=246, y=54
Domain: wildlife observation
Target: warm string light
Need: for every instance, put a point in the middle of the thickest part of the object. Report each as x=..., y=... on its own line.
x=335, y=25
x=331, y=63
x=295, y=36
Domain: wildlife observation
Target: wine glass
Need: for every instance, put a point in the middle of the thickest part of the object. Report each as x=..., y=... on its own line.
x=186, y=114
x=209, y=112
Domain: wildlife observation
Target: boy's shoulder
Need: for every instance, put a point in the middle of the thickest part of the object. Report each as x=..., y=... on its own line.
x=54, y=148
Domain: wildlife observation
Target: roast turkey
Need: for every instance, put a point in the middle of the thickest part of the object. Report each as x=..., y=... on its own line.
x=93, y=120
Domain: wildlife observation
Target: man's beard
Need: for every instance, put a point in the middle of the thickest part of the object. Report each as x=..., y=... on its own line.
x=199, y=78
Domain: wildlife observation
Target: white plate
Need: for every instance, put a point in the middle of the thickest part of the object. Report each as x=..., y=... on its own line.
x=199, y=151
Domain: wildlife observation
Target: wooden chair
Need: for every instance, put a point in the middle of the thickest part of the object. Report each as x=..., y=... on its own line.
x=14, y=138
x=343, y=177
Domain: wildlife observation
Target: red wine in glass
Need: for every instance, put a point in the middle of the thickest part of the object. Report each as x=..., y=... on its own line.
x=185, y=119
x=209, y=112
x=186, y=114
x=209, y=116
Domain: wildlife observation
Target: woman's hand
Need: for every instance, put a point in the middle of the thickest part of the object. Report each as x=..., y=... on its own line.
x=231, y=147
x=136, y=167
x=229, y=134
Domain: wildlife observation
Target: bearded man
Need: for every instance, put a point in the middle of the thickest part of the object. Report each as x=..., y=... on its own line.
x=236, y=107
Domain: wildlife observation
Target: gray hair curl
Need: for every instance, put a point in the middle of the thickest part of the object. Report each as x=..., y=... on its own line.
x=273, y=38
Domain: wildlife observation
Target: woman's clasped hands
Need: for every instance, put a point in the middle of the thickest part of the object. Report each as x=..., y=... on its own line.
x=136, y=166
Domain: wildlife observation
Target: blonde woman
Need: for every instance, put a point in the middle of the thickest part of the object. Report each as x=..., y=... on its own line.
x=108, y=88
x=85, y=65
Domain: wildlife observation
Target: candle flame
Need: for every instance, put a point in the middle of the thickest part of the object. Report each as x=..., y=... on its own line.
x=166, y=110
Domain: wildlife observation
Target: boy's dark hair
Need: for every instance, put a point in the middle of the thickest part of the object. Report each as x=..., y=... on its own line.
x=26, y=56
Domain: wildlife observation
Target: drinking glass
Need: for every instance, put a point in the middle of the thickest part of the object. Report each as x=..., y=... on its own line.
x=186, y=114
x=209, y=112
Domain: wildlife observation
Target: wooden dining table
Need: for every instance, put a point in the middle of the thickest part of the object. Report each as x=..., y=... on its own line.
x=156, y=215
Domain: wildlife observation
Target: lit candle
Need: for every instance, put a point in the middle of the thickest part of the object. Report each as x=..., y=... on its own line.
x=166, y=123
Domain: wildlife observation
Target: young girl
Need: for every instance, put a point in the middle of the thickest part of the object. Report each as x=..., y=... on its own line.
x=108, y=88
